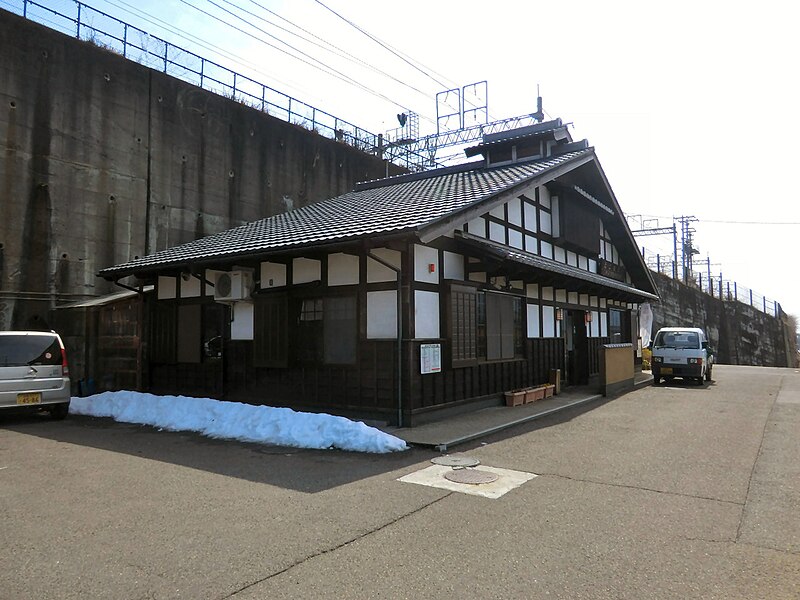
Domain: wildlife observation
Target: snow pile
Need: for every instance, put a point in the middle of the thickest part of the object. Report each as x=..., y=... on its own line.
x=237, y=421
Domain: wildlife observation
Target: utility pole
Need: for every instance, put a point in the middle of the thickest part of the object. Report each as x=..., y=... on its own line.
x=659, y=231
x=687, y=245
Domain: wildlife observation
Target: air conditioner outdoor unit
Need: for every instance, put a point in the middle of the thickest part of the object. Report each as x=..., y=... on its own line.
x=232, y=286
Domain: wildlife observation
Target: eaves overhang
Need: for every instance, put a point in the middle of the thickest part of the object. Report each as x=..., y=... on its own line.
x=228, y=259
x=552, y=267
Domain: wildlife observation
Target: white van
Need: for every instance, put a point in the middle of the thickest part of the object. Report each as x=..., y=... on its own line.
x=681, y=352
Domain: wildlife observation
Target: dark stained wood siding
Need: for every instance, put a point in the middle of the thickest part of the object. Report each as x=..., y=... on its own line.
x=457, y=385
x=595, y=346
x=367, y=389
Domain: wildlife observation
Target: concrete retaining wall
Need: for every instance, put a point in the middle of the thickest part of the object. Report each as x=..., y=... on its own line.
x=104, y=160
x=739, y=334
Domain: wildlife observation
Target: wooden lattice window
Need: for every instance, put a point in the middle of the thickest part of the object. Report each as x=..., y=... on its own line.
x=464, y=325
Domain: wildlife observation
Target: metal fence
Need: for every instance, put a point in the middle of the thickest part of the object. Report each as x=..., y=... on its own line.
x=105, y=31
x=714, y=284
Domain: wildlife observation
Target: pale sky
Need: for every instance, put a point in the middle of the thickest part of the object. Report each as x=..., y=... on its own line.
x=692, y=106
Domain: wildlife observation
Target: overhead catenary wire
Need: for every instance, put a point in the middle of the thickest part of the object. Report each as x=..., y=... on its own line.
x=324, y=45
x=382, y=44
x=399, y=54
x=327, y=69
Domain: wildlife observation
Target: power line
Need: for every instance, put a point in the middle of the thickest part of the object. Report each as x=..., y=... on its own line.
x=333, y=48
x=327, y=69
x=153, y=20
x=399, y=54
x=381, y=43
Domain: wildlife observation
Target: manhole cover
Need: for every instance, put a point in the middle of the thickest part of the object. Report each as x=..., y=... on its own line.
x=470, y=476
x=456, y=461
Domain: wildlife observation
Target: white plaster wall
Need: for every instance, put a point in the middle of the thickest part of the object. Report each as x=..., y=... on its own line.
x=547, y=250
x=382, y=315
x=544, y=196
x=190, y=288
x=534, y=327
x=242, y=323
x=595, y=324
x=376, y=272
x=272, y=275
x=556, y=217
x=572, y=259
x=530, y=218
x=453, y=266
x=559, y=254
x=583, y=263
x=603, y=324
x=548, y=321
x=423, y=258
x=561, y=296
x=499, y=212
x=584, y=300
x=530, y=244
x=305, y=270
x=532, y=290
x=515, y=211
x=480, y=277
x=167, y=288
x=547, y=293
x=592, y=265
x=342, y=269
x=515, y=239
x=572, y=297
x=497, y=232
x=477, y=227
x=545, y=224
x=426, y=314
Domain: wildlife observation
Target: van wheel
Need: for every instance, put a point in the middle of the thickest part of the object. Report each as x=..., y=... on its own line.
x=59, y=411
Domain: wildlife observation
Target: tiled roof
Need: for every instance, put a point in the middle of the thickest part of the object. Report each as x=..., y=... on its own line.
x=393, y=208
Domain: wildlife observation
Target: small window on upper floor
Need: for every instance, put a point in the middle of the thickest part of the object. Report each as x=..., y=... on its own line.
x=498, y=155
x=529, y=149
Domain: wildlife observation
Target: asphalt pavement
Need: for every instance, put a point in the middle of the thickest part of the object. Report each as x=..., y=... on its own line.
x=677, y=491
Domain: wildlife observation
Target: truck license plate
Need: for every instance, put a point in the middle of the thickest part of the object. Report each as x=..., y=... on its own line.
x=666, y=371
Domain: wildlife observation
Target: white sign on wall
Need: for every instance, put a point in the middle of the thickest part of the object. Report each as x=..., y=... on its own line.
x=430, y=358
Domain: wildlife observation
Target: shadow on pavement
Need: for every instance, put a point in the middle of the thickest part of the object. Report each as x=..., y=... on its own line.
x=303, y=470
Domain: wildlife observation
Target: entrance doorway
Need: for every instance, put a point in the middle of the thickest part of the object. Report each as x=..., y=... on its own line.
x=577, y=347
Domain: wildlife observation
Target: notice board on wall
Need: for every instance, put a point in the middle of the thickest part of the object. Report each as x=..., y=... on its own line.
x=430, y=358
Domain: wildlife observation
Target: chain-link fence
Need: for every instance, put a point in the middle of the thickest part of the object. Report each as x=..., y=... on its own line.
x=88, y=24
x=702, y=278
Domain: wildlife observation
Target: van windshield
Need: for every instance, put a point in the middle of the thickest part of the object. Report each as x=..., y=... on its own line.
x=677, y=339
x=27, y=350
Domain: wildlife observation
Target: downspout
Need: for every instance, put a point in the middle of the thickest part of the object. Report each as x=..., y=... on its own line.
x=399, y=334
